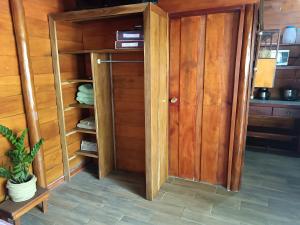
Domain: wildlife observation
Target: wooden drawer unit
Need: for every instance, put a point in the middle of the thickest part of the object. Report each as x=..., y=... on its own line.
x=286, y=112
x=260, y=111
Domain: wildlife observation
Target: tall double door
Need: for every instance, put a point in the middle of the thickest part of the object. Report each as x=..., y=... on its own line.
x=205, y=54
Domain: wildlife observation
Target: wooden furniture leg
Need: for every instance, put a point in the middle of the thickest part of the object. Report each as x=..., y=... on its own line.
x=45, y=206
x=17, y=221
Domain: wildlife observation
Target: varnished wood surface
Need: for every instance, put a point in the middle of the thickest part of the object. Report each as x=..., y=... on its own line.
x=117, y=51
x=156, y=99
x=103, y=114
x=12, y=111
x=269, y=189
x=175, y=26
x=281, y=13
x=101, y=13
x=27, y=83
x=128, y=90
x=178, y=6
x=202, y=78
x=12, y=210
x=237, y=158
x=191, y=94
x=69, y=39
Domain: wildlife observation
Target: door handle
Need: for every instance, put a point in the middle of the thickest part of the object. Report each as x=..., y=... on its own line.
x=174, y=100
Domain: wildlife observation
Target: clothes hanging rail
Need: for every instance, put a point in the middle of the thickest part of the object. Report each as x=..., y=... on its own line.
x=99, y=61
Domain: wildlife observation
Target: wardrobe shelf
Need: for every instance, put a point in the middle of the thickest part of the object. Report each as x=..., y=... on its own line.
x=88, y=154
x=78, y=105
x=80, y=130
x=288, y=67
x=67, y=82
x=112, y=51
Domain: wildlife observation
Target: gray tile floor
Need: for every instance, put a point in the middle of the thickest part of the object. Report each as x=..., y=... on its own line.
x=270, y=195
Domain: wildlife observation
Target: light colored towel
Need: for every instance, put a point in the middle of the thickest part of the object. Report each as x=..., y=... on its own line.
x=86, y=88
x=87, y=123
x=84, y=95
x=87, y=101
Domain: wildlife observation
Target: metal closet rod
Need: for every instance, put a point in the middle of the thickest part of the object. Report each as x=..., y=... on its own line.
x=99, y=61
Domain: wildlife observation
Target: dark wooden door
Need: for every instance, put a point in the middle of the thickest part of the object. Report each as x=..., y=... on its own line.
x=203, y=55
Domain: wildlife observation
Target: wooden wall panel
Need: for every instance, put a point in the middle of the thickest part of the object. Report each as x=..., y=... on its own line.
x=96, y=38
x=192, y=40
x=40, y=51
x=179, y=6
x=12, y=109
x=221, y=42
x=130, y=123
x=175, y=26
x=128, y=90
x=281, y=13
x=203, y=57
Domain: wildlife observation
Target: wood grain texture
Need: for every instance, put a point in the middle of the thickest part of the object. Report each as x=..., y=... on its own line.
x=156, y=100
x=59, y=97
x=178, y=6
x=175, y=31
x=202, y=78
x=191, y=42
x=218, y=94
x=281, y=13
x=128, y=84
x=235, y=171
x=103, y=114
x=101, y=13
x=27, y=83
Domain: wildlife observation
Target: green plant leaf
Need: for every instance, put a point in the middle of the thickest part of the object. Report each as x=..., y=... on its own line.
x=21, y=160
x=21, y=139
x=8, y=133
x=35, y=150
x=5, y=173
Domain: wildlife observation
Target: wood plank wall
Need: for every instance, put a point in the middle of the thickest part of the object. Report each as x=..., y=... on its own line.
x=12, y=109
x=200, y=121
x=281, y=13
x=277, y=15
x=40, y=51
x=128, y=81
x=179, y=6
x=72, y=67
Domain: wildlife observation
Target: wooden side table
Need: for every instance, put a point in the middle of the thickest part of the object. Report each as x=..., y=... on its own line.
x=12, y=211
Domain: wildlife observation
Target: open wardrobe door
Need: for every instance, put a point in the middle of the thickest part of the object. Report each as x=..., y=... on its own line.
x=156, y=98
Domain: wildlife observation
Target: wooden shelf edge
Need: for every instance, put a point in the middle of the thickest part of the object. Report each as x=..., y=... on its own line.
x=100, y=13
x=76, y=81
x=116, y=51
x=87, y=154
x=79, y=105
x=80, y=130
x=288, y=67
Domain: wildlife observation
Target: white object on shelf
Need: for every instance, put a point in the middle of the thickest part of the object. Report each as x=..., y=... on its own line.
x=88, y=146
x=87, y=123
x=289, y=35
x=298, y=36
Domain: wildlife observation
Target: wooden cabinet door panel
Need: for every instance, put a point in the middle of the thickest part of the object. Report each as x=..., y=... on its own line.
x=175, y=25
x=202, y=71
x=192, y=40
x=221, y=42
x=260, y=111
x=285, y=112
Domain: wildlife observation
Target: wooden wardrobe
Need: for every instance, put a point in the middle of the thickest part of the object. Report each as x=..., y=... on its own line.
x=131, y=90
x=210, y=74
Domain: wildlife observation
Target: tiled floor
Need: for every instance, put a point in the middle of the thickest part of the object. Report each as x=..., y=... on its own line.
x=270, y=195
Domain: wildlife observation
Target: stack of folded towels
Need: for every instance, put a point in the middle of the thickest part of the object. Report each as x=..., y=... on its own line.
x=85, y=94
x=87, y=123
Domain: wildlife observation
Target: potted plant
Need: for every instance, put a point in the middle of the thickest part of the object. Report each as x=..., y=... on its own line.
x=21, y=184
